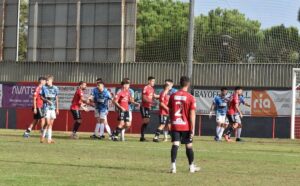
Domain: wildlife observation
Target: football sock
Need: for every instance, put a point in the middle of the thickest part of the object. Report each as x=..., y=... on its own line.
x=174, y=153
x=218, y=128
x=158, y=132
x=76, y=127
x=190, y=155
x=97, y=128
x=143, y=128
x=221, y=132
x=239, y=131
x=101, y=129
x=49, y=134
x=108, y=129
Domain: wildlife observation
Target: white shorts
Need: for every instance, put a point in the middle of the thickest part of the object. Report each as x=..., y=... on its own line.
x=50, y=114
x=101, y=115
x=221, y=119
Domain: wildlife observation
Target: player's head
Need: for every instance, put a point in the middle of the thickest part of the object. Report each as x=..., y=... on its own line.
x=185, y=82
x=42, y=80
x=126, y=83
x=50, y=79
x=169, y=82
x=151, y=81
x=224, y=91
x=82, y=85
x=238, y=90
x=100, y=85
x=98, y=80
x=166, y=87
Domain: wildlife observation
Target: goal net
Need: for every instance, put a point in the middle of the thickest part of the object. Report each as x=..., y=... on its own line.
x=295, y=117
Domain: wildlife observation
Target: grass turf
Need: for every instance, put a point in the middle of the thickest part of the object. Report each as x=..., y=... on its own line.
x=95, y=162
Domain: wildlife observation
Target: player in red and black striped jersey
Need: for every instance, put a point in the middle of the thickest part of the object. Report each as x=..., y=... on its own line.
x=78, y=102
x=148, y=95
x=182, y=107
x=38, y=111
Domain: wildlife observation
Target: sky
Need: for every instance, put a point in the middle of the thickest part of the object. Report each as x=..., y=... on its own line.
x=268, y=12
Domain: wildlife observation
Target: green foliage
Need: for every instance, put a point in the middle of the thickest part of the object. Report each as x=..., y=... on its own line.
x=23, y=29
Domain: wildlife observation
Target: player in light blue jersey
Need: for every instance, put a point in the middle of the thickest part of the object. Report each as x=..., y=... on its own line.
x=240, y=126
x=49, y=94
x=99, y=98
x=220, y=106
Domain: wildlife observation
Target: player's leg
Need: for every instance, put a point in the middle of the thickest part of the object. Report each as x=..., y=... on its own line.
x=188, y=141
x=47, y=120
x=146, y=120
x=166, y=132
x=127, y=125
x=175, y=146
x=107, y=127
x=120, y=126
x=77, y=122
x=230, y=128
x=218, y=127
x=239, y=128
x=51, y=122
x=159, y=130
x=30, y=127
x=96, y=134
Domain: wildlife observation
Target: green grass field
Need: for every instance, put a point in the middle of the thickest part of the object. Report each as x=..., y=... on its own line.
x=94, y=162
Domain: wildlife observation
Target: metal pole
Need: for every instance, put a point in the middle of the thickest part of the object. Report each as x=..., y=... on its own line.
x=35, y=30
x=78, y=31
x=122, y=30
x=2, y=30
x=190, y=43
x=294, y=89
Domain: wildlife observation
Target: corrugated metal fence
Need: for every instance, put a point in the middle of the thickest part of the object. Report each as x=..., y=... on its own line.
x=247, y=75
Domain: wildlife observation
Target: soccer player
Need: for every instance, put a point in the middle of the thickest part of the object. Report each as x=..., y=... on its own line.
x=100, y=98
x=49, y=95
x=148, y=95
x=239, y=128
x=220, y=106
x=163, y=111
x=122, y=100
x=182, y=107
x=234, y=113
x=77, y=103
x=38, y=112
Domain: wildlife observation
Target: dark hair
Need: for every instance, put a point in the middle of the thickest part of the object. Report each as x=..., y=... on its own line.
x=238, y=88
x=165, y=86
x=100, y=82
x=169, y=80
x=81, y=82
x=42, y=78
x=223, y=88
x=125, y=81
x=184, y=81
x=150, y=78
x=98, y=79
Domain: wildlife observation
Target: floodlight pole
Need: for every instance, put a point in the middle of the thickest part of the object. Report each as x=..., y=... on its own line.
x=190, y=43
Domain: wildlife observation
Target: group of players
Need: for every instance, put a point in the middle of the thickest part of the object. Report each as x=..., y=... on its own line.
x=177, y=112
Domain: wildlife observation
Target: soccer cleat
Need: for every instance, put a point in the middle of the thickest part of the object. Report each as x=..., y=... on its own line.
x=143, y=139
x=194, y=168
x=102, y=137
x=94, y=136
x=26, y=135
x=165, y=139
x=216, y=138
x=239, y=140
x=51, y=141
x=227, y=138
x=173, y=171
x=155, y=139
x=42, y=139
x=74, y=136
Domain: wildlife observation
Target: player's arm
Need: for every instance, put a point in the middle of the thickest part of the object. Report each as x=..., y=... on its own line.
x=34, y=103
x=247, y=104
x=238, y=109
x=133, y=101
x=44, y=98
x=156, y=96
x=192, y=121
x=57, y=105
x=212, y=108
x=115, y=101
x=146, y=99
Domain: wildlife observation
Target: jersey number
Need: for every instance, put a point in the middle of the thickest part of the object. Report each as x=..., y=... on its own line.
x=179, y=111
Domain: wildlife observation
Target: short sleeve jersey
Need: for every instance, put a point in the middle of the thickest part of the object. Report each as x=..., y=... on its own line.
x=164, y=98
x=123, y=98
x=181, y=104
x=221, y=105
x=101, y=99
x=148, y=92
x=50, y=93
x=76, y=102
x=37, y=96
x=234, y=100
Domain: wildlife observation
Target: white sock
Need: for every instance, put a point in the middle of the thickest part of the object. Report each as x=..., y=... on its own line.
x=97, y=129
x=101, y=133
x=108, y=129
x=44, y=132
x=221, y=132
x=218, y=128
x=123, y=133
x=29, y=129
x=173, y=165
x=166, y=134
x=49, y=134
x=239, y=132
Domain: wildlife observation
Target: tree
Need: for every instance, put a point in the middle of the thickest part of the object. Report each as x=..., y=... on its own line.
x=23, y=29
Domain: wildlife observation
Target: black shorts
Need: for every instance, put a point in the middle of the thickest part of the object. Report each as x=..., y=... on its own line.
x=234, y=119
x=164, y=120
x=183, y=136
x=145, y=112
x=39, y=114
x=76, y=114
x=124, y=116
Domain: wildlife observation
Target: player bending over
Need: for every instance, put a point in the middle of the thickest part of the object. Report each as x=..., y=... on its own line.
x=38, y=111
x=163, y=111
x=49, y=95
x=78, y=102
x=148, y=95
x=122, y=101
x=182, y=107
x=99, y=99
x=220, y=106
x=234, y=113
